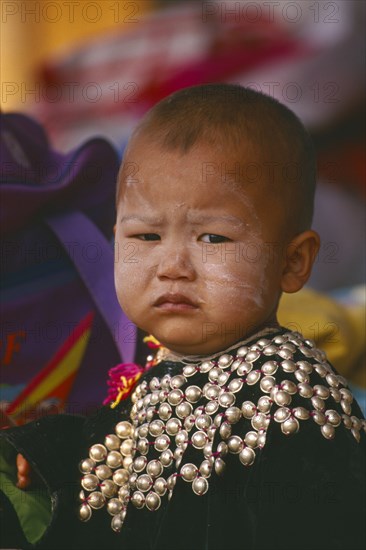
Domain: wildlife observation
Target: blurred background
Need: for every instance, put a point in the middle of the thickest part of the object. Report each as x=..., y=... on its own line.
x=86, y=68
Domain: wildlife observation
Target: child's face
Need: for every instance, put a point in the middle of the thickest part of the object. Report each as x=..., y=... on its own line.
x=184, y=234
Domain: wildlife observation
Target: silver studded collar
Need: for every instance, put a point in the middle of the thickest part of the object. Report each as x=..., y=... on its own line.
x=205, y=404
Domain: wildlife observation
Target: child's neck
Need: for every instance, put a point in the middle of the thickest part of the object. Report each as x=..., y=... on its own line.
x=178, y=357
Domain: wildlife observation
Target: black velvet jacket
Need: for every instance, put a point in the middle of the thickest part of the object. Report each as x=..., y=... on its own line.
x=303, y=491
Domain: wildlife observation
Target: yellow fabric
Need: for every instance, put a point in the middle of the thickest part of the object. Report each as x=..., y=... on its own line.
x=337, y=329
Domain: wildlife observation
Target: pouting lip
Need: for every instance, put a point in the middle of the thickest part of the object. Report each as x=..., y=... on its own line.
x=174, y=298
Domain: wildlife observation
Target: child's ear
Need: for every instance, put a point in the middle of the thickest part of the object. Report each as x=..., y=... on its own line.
x=300, y=255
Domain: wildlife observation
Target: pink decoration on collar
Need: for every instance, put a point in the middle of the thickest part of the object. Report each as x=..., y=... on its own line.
x=122, y=379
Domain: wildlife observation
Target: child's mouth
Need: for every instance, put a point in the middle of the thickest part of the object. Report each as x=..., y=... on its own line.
x=175, y=302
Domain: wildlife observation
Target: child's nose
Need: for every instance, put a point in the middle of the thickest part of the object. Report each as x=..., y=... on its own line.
x=176, y=264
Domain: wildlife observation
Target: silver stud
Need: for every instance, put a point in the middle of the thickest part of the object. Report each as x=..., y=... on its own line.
x=233, y=415
x=222, y=448
x=251, y=439
x=242, y=351
x=183, y=409
x=319, y=418
x=264, y=404
x=227, y=399
x=282, y=414
x=260, y=421
x=288, y=366
x=270, y=350
x=181, y=439
x=143, y=446
x=267, y=383
x=160, y=486
x=124, y=494
x=189, y=370
x=305, y=390
x=223, y=378
x=205, y=468
x=318, y=403
x=154, y=384
x=165, y=411
x=152, y=501
x=89, y=482
x=85, y=512
x=346, y=395
x=301, y=413
x=177, y=381
x=103, y=472
x=200, y=486
x=139, y=464
x=301, y=376
x=96, y=500
x=289, y=386
x=173, y=426
x=285, y=353
x=206, y=366
x=189, y=471
x=281, y=398
x=154, y=468
x=121, y=476
x=166, y=458
x=117, y=522
x=336, y=394
x=171, y=481
x=144, y=483
x=214, y=374
x=189, y=422
x=162, y=442
x=211, y=407
x=235, y=385
x=225, y=361
x=199, y=440
x=114, y=459
x=87, y=465
x=193, y=394
x=112, y=442
x=328, y=431
x=156, y=427
x=244, y=368
x=219, y=466
x=225, y=430
x=269, y=367
x=235, y=444
x=98, y=452
x=248, y=409
x=126, y=447
x=305, y=366
x=321, y=391
x=203, y=422
x=175, y=397
x=114, y=506
x=211, y=392
x=138, y=499
x=247, y=456
x=333, y=417
x=108, y=488
x=253, y=377
x=347, y=421
x=346, y=407
x=290, y=426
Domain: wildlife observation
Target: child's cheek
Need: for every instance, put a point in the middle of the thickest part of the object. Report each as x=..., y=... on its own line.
x=240, y=279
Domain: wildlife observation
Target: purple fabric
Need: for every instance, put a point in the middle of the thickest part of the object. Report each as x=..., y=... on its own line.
x=57, y=211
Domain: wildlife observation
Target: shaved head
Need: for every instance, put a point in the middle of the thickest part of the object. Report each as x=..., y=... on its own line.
x=232, y=118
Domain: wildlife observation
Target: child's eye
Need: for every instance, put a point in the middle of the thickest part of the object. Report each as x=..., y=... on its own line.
x=148, y=237
x=213, y=239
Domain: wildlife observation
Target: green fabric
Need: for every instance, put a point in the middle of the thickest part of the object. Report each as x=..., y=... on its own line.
x=33, y=506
